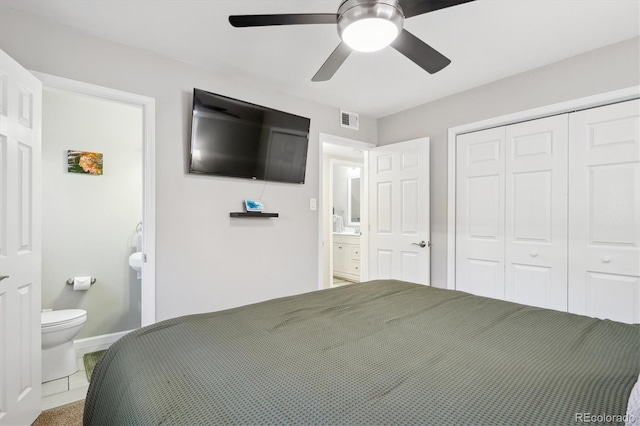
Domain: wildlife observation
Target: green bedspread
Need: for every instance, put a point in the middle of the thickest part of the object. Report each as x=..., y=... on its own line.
x=383, y=352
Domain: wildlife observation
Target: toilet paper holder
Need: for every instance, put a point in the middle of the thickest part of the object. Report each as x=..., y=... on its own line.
x=70, y=281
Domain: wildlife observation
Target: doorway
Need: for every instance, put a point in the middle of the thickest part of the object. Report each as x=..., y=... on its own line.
x=345, y=201
x=146, y=106
x=343, y=223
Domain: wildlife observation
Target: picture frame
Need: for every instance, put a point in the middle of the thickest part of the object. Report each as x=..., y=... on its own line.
x=253, y=205
x=84, y=162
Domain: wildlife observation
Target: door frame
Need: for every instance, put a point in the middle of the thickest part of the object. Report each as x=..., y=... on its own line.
x=593, y=101
x=364, y=239
x=147, y=104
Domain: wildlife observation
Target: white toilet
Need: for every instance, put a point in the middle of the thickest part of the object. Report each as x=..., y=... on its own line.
x=58, y=330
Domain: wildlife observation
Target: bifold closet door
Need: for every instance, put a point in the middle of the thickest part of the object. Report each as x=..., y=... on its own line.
x=480, y=213
x=604, y=210
x=536, y=212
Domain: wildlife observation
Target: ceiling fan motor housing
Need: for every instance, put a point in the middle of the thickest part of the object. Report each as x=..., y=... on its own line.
x=352, y=11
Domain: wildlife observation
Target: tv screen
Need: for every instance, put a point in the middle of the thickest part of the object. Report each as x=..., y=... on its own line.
x=235, y=138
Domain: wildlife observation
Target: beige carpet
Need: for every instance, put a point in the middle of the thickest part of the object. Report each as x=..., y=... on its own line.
x=67, y=415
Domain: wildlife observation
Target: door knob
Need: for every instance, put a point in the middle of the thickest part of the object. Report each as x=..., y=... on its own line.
x=421, y=244
x=2, y=277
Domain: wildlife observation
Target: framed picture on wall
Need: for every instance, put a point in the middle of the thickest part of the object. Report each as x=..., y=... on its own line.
x=84, y=162
x=253, y=205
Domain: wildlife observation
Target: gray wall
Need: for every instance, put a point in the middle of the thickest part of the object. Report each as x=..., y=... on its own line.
x=606, y=69
x=205, y=260
x=89, y=222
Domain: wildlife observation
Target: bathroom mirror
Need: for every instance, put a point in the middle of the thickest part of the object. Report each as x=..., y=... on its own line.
x=353, y=186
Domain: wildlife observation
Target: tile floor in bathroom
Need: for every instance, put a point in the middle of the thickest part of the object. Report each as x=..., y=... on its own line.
x=67, y=389
x=65, y=384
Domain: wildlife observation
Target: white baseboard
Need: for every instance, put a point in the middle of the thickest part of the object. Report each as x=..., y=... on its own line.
x=64, y=398
x=96, y=343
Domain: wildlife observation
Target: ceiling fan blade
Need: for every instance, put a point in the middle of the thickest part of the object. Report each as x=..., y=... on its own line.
x=418, y=7
x=333, y=62
x=420, y=52
x=290, y=19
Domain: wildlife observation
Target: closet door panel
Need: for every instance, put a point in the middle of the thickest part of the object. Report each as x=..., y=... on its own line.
x=536, y=212
x=480, y=213
x=604, y=208
x=612, y=296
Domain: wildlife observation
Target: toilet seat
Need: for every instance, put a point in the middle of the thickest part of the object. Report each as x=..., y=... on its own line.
x=67, y=317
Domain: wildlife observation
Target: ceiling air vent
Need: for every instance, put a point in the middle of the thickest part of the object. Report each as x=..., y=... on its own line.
x=350, y=120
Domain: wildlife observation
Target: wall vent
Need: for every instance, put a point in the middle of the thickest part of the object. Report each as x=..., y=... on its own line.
x=350, y=120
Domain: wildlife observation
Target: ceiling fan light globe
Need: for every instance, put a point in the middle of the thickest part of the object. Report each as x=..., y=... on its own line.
x=369, y=25
x=370, y=34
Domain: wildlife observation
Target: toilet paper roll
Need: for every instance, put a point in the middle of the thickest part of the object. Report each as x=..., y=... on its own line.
x=81, y=283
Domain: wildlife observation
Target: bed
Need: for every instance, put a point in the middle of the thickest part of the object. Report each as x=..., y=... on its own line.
x=381, y=352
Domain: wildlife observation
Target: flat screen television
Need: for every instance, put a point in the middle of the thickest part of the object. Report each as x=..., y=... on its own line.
x=233, y=138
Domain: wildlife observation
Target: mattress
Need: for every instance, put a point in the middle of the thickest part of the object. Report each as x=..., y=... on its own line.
x=381, y=352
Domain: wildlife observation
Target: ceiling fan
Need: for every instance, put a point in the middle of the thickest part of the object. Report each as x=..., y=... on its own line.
x=365, y=26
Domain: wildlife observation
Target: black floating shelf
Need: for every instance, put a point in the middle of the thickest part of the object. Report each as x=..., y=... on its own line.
x=252, y=214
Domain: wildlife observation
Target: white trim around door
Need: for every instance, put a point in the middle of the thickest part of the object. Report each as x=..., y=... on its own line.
x=148, y=106
x=531, y=114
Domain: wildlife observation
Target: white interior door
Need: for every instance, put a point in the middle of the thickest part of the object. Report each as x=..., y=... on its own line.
x=604, y=212
x=480, y=213
x=399, y=212
x=536, y=212
x=20, y=249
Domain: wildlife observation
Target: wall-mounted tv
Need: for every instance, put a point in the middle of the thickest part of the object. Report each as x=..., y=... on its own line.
x=230, y=137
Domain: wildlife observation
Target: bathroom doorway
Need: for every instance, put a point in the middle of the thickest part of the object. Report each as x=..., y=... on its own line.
x=121, y=300
x=343, y=211
x=345, y=199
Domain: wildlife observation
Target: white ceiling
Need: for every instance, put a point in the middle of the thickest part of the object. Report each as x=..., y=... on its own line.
x=486, y=40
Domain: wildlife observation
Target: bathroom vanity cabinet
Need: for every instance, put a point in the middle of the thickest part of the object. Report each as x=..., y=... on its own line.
x=346, y=256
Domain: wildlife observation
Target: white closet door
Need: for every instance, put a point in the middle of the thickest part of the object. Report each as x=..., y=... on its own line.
x=604, y=212
x=480, y=212
x=536, y=213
